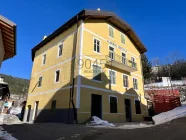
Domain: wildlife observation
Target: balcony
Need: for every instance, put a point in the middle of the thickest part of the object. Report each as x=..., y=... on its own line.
x=120, y=62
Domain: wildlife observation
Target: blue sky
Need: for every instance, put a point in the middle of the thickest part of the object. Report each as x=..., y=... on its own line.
x=160, y=24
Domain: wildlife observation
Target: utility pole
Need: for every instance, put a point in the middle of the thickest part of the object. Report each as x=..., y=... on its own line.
x=169, y=70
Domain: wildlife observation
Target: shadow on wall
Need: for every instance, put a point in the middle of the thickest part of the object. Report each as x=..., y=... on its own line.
x=62, y=105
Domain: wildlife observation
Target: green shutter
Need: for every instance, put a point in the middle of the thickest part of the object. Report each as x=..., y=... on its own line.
x=122, y=38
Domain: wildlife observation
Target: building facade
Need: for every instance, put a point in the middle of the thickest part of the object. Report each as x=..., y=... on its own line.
x=90, y=66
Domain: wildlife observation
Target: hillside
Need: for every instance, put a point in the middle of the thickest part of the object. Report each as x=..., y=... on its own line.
x=16, y=85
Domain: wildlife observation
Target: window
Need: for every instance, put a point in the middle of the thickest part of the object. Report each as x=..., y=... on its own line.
x=135, y=83
x=133, y=62
x=111, y=31
x=123, y=58
x=44, y=59
x=125, y=81
x=97, y=73
x=53, y=105
x=40, y=82
x=57, y=74
x=113, y=104
x=111, y=52
x=112, y=75
x=96, y=45
x=138, y=107
x=122, y=39
x=60, y=50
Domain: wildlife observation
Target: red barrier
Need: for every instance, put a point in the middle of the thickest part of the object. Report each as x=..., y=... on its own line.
x=164, y=99
x=164, y=103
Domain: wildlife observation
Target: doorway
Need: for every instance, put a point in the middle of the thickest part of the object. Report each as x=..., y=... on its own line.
x=28, y=115
x=96, y=106
x=128, y=110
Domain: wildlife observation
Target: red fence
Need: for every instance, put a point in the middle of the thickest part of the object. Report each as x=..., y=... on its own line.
x=164, y=103
x=164, y=99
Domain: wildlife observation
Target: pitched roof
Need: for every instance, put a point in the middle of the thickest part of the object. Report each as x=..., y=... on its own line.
x=8, y=31
x=95, y=14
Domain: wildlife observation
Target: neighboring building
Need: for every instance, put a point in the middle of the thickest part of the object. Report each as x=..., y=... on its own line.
x=108, y=81
x=7, y=39
x=166, y=82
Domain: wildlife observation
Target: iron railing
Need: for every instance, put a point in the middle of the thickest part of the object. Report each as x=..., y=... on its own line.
x=120, y=59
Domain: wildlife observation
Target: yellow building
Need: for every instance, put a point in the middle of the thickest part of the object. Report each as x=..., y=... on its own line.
x=90, y=66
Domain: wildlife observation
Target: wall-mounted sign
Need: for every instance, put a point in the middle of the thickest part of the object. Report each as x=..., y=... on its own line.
x=119, y=47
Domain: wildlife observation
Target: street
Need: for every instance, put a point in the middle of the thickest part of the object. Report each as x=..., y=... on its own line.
x=174, y=130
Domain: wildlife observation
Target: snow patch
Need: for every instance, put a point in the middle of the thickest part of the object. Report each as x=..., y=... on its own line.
x=170, y=115
x=15, y=111
x=184, y=103
x=98, y=122
x=134, y=126
x=9, y=119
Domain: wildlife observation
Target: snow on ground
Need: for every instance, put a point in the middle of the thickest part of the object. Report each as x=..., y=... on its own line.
x=134, y=126
x=98, y=122
x=9, y=119
x=15, y=111
x=170, y=115
x=184, y=103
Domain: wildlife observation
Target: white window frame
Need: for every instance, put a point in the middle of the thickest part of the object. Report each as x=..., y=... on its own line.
x=115, y=76
x=133, y=61
x=41, y=81
x=92, y=73
x=59, y=49
x=43, y=59
x=124, y=38
x=113, y=96
x=94, y=38
x=113, y=51
x=55, y=76
x=123, y=80
x=113, y=31
x=125, y=57
x=137, y=83
x=33, y=115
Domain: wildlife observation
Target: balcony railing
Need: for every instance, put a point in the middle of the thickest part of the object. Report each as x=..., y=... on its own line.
x=121, y=62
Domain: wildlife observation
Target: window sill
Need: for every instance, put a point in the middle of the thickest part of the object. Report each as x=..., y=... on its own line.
x=111, y=37
x=96, y=81
x=57, y=82
x=113, y=85
x=59, y=56
x=123, y=44
x=97, y=52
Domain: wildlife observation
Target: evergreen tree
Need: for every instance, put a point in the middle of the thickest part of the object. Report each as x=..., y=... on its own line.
x=146, y=65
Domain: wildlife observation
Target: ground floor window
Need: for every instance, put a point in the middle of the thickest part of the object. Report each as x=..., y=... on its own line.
x=113, y=104
x=138, y=107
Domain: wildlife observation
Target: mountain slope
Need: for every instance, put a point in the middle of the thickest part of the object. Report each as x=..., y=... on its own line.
x=16, y=85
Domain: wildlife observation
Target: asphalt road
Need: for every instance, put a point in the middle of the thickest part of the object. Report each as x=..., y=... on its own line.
x=174, y=130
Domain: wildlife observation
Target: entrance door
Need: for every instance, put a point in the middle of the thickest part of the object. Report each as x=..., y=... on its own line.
x=96, y=107
x=128, y=110
x=28, y=115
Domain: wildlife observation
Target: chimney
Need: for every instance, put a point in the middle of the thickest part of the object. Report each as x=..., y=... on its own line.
x=44, y=37
x=98, y=9
x=1, y=80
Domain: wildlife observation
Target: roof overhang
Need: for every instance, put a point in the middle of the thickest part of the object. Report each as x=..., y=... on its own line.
x=8, y=32
x=95, y=15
